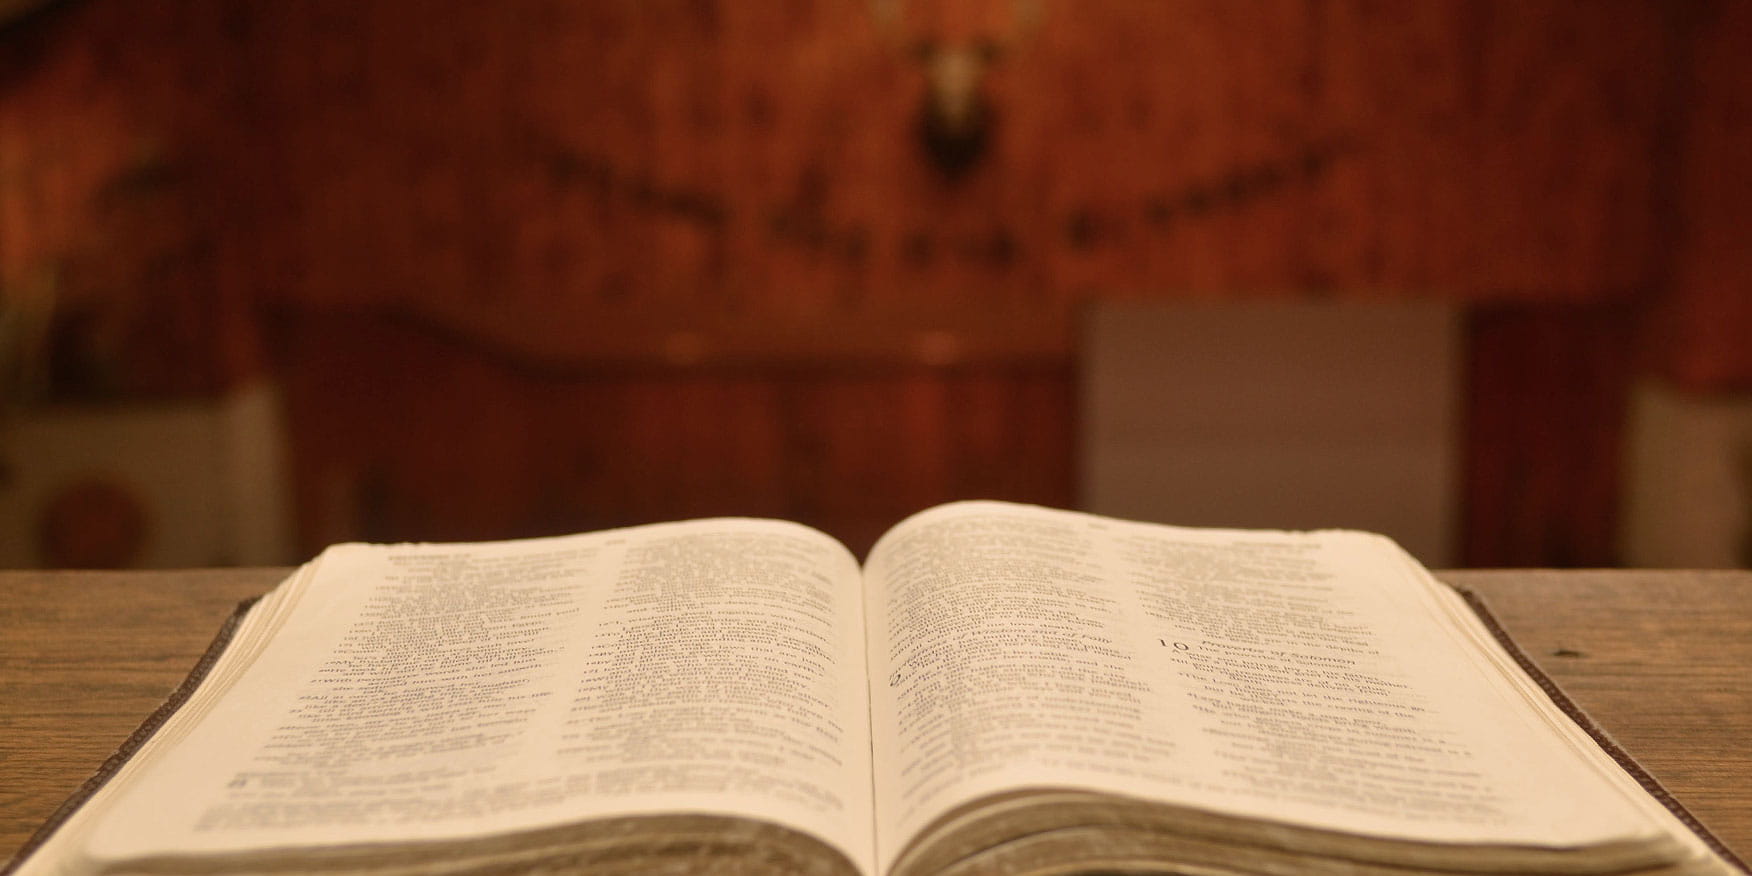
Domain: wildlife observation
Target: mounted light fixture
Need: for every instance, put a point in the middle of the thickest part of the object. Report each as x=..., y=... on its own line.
x=955, y=117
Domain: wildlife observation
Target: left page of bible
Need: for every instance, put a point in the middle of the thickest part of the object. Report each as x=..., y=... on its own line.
x=388, y=695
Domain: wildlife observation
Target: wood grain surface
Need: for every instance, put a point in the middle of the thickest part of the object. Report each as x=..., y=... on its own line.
x=85, y=657
x=1660, y=659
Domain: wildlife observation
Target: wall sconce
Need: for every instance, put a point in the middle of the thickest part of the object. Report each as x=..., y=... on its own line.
x=955, y=117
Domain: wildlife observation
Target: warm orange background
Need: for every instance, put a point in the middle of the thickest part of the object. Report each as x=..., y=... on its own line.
x=538, y=266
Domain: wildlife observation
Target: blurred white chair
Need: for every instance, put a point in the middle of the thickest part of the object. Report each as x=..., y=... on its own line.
x=1276, y=414
x=1687, y=479
x=161, y=485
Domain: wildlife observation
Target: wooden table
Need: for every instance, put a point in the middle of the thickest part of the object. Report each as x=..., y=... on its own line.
x=1663, y=660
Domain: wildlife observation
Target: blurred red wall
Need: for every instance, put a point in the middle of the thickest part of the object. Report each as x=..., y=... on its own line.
x=536, y=266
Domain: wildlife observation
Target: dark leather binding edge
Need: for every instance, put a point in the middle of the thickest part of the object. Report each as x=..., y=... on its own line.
x=1613, y=750
x=138, y=738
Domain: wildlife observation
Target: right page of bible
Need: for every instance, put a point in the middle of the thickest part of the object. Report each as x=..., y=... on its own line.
x=1310, y=678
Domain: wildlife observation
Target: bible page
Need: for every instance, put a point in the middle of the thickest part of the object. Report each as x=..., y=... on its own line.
x=1306, y=678
x=448, y=691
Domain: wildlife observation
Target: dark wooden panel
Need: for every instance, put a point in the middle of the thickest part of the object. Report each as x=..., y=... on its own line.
x=1706, y=327
x=1544, y=422
x=400, y=433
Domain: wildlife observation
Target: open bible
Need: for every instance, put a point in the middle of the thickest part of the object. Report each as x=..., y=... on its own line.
x=999, y=689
